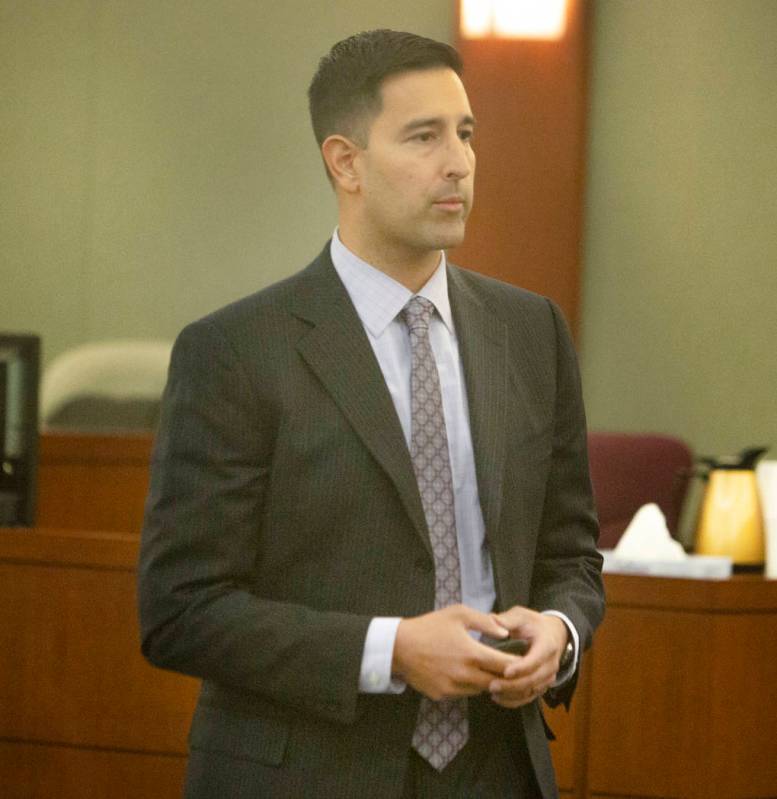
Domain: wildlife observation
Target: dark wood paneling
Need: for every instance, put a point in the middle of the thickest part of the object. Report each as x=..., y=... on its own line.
x=69, y=637
x=649, y=682
x=530, y=101
x=562, y=749
x=677, y=698
x=34, y=771
x=75, y=691
x=89, y=482
x=683, y=696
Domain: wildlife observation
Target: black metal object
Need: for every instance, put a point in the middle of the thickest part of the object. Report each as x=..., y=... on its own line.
x=19, y=381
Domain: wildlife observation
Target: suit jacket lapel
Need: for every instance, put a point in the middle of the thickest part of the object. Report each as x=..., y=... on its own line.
x=337, y=350
x=483, y=347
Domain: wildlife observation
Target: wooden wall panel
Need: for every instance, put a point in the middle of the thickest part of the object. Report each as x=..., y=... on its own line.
x=683, y=700
x=79, y=705
x=742, y=712
x=648, y=750
x=562, y=749
x=530, y=102
x=676, y=699
x=35, y=771
x=81, y=655
x=91, y=482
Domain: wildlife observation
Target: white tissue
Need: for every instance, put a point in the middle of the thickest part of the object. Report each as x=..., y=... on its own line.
x=647, y=538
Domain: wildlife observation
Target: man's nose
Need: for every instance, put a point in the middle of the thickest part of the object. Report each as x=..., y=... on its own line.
x=458, y=158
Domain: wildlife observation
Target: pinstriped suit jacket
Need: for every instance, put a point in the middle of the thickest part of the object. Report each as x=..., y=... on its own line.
x=283, y=515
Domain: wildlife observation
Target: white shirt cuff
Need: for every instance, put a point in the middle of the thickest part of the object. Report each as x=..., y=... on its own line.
x=375, y=675
x=562, y=677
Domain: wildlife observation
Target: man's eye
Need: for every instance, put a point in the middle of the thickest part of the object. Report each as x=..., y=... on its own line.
x=426, y=136
x=466, y=135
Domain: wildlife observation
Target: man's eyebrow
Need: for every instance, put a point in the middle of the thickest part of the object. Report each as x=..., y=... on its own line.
x=431, y=122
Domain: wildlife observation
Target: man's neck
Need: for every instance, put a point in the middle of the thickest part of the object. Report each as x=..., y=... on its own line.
x=410, y=268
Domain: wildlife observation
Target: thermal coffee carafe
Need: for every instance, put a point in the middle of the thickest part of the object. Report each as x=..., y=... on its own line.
x=731, y=521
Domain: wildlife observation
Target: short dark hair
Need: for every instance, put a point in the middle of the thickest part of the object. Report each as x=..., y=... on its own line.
x=345, y=92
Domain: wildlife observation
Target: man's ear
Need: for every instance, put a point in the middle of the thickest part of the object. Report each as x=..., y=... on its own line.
x=339, y=153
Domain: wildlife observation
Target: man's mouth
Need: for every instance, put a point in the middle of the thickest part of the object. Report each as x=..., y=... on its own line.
x=454, y=202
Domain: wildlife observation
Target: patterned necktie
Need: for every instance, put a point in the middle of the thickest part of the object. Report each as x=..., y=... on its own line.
x=441, y=729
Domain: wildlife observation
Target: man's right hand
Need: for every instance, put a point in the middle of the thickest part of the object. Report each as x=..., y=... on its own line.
x=437, y=656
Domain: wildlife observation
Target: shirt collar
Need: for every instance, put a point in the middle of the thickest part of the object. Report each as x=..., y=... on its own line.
x=377, y=297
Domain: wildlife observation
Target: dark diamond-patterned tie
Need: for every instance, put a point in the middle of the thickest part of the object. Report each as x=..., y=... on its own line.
x=441, y=729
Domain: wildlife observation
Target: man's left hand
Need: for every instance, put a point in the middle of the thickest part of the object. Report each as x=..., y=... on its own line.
x=532, y=674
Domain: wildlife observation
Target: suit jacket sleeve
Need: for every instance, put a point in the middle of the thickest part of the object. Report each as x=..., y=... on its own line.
x=567, y=571
x=199, y=611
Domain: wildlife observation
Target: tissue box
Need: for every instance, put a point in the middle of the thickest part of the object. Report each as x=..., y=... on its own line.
x=701, y=567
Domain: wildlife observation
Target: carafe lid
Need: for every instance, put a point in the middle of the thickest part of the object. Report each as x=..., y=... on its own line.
x=745, y=460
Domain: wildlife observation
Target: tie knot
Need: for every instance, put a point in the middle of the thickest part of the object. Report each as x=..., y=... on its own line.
x=417, y=313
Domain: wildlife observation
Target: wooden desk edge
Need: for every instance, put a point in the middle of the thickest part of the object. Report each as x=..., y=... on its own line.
x=114, y=550
x=69, y=548
x=71, y=447
x=745, y=592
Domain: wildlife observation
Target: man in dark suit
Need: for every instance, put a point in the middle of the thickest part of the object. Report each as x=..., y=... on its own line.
x=366, y=475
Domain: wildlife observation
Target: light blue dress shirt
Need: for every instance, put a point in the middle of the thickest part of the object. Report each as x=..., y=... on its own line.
x=378, y=300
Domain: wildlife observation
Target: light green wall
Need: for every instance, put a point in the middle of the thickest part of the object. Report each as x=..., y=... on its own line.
x=156, y=158
x=679, y=326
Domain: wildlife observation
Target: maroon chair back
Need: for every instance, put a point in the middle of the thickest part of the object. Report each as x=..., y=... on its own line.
x=629, y=470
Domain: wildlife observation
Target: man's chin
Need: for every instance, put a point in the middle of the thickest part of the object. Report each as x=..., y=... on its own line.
x=449, y=235
x=454, y=239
